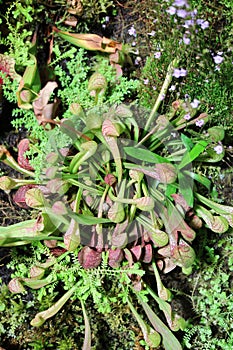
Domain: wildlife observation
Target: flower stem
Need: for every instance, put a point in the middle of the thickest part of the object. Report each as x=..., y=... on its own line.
x=163, y=91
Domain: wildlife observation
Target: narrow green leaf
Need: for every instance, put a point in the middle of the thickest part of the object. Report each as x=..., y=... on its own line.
x=187, y=142
x=151, y=337
x=87, y=337
x=145, y=155
x=203, y=180
x=88, y=219
x=19, y=230
x=170, y=342
x=41, y=317
x=190, y=156
x=186, y=188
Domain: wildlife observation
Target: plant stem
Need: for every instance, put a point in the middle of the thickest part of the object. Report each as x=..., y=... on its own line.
x=163, y=91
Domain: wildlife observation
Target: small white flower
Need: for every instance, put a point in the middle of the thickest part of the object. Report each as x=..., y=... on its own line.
x=152, y=33
x=157, y=54
x=137, y=60
x=132, y=31
x=218, y=59
x=171, y=10
x=195, y=103
x=218, y=149
x=172, y=88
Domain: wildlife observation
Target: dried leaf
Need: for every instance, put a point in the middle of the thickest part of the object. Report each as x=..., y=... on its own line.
x=91, y=42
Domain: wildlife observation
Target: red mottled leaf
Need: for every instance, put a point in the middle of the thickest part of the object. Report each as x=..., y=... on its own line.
x=136, y=252
x=115, y=257
x=147, y=253
x=20, y=196
x=89, y=258
x=23, y=147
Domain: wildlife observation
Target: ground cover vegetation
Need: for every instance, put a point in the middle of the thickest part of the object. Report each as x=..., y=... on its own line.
x=122, y=172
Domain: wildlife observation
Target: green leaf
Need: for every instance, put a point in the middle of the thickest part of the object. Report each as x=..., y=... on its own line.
x=41, y=317
x=216, y=133
x=170, y=342
x=203, y=180
x=19, y=231
x=187, y=142
x=30, y=82
x=189, y=156
x=145, y=155
x=151, y=337
x=72, y=236
x=217, y=224
x=185, y=188
x=87, y=336
x=36, y=283
x=210, y=156
x=218, y=208
x=88, y=219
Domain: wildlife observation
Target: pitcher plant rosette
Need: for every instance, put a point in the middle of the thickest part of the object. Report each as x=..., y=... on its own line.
x=123, y=194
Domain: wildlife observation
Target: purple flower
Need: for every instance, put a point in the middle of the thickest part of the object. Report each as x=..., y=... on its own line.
x=193, y=13
x=200, y=123
x=162, y=97
x=195, y=103
x=157, y=54
x=187, y=116
x=183, y=72
x=146, y=81
x=182, y=13
x=171, y=10
x=188, y=23
x=179, y=3
x=218, y=59
x=218, y=149
x=179, y=72
x=204, y=24
x=132, y=31
x=186, y=40
x=176, y=73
